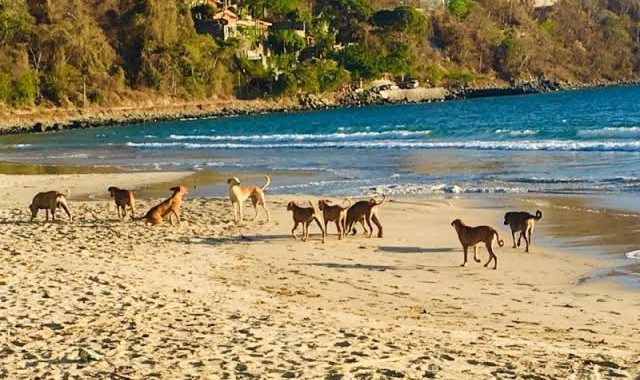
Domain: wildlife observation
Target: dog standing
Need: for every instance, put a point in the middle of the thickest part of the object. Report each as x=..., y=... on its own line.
x=170, y=206
x=304, y=216
x=238, y=194
x=334, y=213
x=523, y=222
x=123, y=198
x=50, y=201
x=362, y=211
x=472, y=236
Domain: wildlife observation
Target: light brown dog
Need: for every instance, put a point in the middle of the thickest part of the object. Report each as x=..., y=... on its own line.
x=123, y=198
x=472, y=236
x=170, y=206
x=523, y=222
x=238, y=194
x=50, y=201
x=304, y=216
x=362, y=211
x=334, y=213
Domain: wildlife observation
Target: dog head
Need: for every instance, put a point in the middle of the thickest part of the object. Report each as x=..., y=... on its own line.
x=180, y=189
x=507, y=216
x=322, y=203
x=233, y=181
x=112, y=190
x=457, y=224
x=291, y=205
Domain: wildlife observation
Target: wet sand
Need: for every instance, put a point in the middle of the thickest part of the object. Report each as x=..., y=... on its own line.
x=103, y=298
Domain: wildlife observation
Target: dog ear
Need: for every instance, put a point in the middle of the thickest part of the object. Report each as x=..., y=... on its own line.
x=174, y=189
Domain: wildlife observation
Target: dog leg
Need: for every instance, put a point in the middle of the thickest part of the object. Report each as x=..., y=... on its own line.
x=339, y=229
x=264, y=206
x=520, y=238
x=368, y=219
x=255, y=208
x=527, y=239
x=475, y=254
x=464, y=248
x=492, y=256
x=177, y=215
x=240, y=212
x=364, y=227
x=374, y=217
x=47, y=215
x=293, y=231
x=34, y=214
x=513, y=235
x=305, y=231
x=324, y=231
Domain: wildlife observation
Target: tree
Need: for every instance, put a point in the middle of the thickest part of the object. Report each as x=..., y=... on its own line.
x=285, y=41
x=361, y=62
x=345, y=16
x=459, y=8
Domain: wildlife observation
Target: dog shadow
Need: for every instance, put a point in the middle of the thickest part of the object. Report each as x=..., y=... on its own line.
x=372, y=267
x=392, y=249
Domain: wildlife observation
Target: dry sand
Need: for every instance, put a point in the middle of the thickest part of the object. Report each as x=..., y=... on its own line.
x=101, y=298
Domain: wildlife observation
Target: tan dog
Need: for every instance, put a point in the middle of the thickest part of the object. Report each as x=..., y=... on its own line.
x=472, y=236
x=170, y=206
x=362, y=211
x=304, y=216
x=238, y=194
x=123, y=199
x=523, y=222
x=50, y=201
x=334, y=213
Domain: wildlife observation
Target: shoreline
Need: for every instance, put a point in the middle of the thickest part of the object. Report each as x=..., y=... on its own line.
x=209, y=298
x=40, y=120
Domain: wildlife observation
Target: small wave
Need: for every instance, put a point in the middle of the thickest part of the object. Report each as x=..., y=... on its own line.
x=549, y=145
x=633, y=255
x=612, y=132
x=303, y=136
x=517, y=133
x=414, y=189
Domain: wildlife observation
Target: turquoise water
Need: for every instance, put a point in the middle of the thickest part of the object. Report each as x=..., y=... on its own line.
x=581, y=141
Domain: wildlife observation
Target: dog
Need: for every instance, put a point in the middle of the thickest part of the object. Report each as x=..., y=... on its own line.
x=304, y=216
x=334, y=213
x=238, y=194
x=523, y=222
x=170, y=207
x=50, y=201
x=472, y=236
x=123, y=199
x=362, y=211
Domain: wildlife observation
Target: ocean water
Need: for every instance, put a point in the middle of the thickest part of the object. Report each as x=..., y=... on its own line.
x=585, y=141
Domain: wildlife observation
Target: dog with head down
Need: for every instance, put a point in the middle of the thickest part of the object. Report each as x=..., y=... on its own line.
x=170, y=207
x=50, y=201
x=123, y=198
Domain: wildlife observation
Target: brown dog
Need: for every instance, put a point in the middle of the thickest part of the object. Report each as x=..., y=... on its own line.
x=472, y=236
x=304, y=216
x=170, y=207
x=238, y=194
x=123, y=199
x=362, y=211
x=334, y=213
x=50, y=201
x=523, y=222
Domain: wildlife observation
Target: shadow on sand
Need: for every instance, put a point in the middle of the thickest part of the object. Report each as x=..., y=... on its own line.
x=391, y=249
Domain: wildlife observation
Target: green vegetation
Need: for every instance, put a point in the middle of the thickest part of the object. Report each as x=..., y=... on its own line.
x=80, y=52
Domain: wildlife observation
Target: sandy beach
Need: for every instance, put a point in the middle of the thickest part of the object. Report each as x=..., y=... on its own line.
x=206, y=299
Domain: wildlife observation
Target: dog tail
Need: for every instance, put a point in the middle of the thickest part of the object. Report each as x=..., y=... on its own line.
x=538, y=215
x=349, y=203
x=67, y=193
x=500, y=241
x=268, y=182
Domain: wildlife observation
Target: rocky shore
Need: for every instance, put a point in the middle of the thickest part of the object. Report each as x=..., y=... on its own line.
x=50, y=120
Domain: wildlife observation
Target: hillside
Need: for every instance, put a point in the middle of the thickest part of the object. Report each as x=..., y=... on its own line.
x=74, y=53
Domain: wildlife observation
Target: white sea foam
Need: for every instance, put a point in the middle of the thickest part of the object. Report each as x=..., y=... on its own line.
x=302, y=136
x=517, y=133
x=549, y=145
x=633, y=255
x=611, y=132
